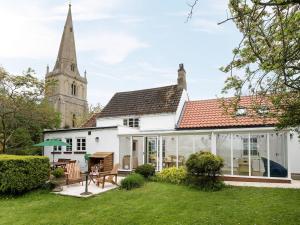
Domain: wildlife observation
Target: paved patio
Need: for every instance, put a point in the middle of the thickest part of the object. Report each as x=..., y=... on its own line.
x=76, y=189
x=295, y=184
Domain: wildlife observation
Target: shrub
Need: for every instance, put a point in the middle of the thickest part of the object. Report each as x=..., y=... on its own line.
x=58, y=172
x=145, y=170
x=203, y=169
x=173, y=175
x=132, y=181
x=19, y=174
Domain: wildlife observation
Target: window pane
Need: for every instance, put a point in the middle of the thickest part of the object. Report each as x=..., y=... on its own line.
x=259, y=155
x=185, y=148
x=224, y=151
x=169, y=151
x=240, y=154
x=124, y=153
x=278, y=155
x=203, y=143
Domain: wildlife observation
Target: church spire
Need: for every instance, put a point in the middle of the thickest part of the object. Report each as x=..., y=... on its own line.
x=66, y=60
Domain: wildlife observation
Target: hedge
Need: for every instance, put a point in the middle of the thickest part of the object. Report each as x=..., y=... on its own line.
x=19, y=174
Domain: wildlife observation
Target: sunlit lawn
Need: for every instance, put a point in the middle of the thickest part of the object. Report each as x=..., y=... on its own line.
x=157, y=203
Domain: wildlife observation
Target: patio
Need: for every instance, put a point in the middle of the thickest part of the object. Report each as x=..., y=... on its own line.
x=76, y=189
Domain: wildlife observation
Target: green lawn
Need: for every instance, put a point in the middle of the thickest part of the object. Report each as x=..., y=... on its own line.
x=157, y=203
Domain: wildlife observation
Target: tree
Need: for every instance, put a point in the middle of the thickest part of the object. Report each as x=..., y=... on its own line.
x=24, y=112
x=93, y=109
x=268, y=54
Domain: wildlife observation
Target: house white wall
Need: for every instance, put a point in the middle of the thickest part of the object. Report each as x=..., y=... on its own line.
x=294, y=152
x=159, y=121
x=163, y=121
x=183, y=99
x=108, y=142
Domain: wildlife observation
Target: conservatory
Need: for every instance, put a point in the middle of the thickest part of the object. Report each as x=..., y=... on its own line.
x=252, y=153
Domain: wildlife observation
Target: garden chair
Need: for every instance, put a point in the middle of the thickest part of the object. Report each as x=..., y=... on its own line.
x=110, y=177
x=73, y=174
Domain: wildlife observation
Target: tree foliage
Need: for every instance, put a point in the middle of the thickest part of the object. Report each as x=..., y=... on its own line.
x=24, y=112
x=268, y=56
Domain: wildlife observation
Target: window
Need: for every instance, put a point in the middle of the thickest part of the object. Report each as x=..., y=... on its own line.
x=81, y=144
x=73, y=67
x=241, y=111
x=131, y=122
x=253, y=146
x=73, y=120
x=57, y=148
x=73, y=89
x=263, y=110
x=70, y=142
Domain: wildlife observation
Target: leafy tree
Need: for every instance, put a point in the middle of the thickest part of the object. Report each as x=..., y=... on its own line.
x=24, y=112
x=269, y=56
x=93, y=109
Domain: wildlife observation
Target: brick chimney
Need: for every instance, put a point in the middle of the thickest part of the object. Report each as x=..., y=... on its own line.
x=181, y=80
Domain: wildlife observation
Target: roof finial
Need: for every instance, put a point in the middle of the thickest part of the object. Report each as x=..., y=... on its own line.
x=70, y=4
x=85, y=73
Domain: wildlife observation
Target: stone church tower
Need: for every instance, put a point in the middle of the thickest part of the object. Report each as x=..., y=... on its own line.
x=68, y=96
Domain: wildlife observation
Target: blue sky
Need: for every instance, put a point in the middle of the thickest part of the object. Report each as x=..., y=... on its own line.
x=123, y=44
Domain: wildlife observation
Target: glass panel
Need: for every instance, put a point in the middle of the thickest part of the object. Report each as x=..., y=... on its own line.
x=202, y=143
x=185, y=148
x=151, y=151
x=240, y=154
x=259, y=155
x=278, y=155
x=169, y=151
x=224, y=151
x=125, y=153
x=137, y=152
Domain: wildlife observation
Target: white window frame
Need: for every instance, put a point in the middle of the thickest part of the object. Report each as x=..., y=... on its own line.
x=69, y=148
x=79, y=145
x=131, y=122
x=57, y=148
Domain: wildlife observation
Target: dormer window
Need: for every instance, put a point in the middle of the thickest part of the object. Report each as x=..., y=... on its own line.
x=263, y=110
x=73, y=67
x=71, y=29
x=131, y=122
x=73, y=89
x=241, y=111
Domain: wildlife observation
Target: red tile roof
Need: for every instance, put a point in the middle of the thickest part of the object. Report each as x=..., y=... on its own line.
x=210, y=114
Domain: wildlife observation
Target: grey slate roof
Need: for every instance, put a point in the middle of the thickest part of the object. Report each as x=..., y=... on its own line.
x=141, y=102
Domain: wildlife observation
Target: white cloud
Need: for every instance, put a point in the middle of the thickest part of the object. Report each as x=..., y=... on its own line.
x=110, y=47
x=30, y=30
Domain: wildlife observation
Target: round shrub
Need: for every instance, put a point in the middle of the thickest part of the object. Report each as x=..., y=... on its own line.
x=145, y=170
x=19, y=174
x=173, y=175
x=203, y=170
x=58, y=172
x=132, y=181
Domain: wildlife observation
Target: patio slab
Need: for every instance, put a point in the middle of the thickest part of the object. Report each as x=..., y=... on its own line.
x=294, y=184
x=76, y=189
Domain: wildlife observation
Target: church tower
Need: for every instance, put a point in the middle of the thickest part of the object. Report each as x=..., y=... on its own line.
x=68, y=95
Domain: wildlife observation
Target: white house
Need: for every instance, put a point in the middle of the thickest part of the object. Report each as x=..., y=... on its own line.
x=161, y=126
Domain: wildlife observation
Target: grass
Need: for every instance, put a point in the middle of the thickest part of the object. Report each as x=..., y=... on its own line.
x=157, y=203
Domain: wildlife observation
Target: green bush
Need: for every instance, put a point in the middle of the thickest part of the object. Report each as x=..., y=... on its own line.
x=145, y=170
x=173, y=175
x=19, y=174
x=58, y=172
x=203, y=170
x=132, y=181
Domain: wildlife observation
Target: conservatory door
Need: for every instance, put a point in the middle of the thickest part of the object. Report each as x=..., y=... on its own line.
x=151, y=152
